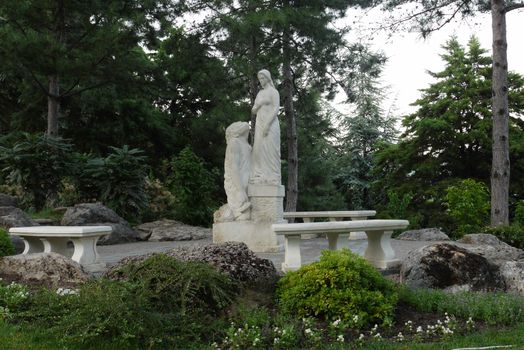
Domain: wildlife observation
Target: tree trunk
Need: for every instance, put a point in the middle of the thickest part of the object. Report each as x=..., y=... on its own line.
x=500, y=165
x=53, y=106
x=292, y=144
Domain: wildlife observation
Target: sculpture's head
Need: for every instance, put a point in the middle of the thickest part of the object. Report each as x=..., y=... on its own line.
x=237, y=130
x=264, y=77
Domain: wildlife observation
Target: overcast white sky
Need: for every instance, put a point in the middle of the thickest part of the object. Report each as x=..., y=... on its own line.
x=410, y=56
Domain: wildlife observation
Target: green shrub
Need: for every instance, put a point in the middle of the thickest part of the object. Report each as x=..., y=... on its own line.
x=37, y=164
x=512, y=234
x=519, y=214
x=161, y=201
x=341, y=285
x=117, y=180
x=468, y=204
x=6, y=246
x=199, y=287
x=157, y=302
x=193, y=186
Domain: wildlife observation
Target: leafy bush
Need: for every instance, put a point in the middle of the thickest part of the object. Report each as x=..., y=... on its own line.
x=511, y=234
x=340, y=285
x=519, y=214
x=161, y=201
x=6, y=246
x=37, y=164
x=193, y=186
x=160, y=301
x=199, y=287
x=12, y=297
x=468, y=204
x=117, y=180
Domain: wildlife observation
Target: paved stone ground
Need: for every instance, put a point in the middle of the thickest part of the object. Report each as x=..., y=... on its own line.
x=310, y=249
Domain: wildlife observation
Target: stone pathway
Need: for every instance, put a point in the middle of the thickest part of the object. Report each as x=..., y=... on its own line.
x=310, y=249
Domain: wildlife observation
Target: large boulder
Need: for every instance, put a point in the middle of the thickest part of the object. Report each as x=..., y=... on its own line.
x=171, y=230
x=8, y=201
x=13, y=217
x=448, y=266
x=232, y=258
x=425, y=234
x=46, y=269
x=491, y=248
x=513, y=274
x=96, y=214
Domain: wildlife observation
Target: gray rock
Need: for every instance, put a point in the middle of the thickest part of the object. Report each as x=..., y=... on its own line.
x=491, y=248
x=426, y=234
x=171, y=230
x=448, y=266
x=8, y=201
x=47, y=222
x=482, y=238
x=513, y=274
x=14, y=217
x=94, y=214
x=48, y=269
x=232, y=258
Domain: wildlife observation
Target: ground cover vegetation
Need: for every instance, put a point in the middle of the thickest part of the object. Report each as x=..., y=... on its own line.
x=163, y=303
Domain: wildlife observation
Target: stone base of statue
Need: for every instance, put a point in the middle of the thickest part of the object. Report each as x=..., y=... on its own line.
x=266, y=209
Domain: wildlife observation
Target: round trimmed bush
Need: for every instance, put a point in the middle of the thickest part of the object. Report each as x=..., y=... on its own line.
x=341, y=285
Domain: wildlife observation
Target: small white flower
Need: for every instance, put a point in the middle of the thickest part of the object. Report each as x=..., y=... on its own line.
x=308, y=331
x=361, y=336
x=340, y=338
x=419, y=329
x=337, y=322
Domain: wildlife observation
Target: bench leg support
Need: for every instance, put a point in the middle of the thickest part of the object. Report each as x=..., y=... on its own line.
x=56, y=245
x=32, y=245
x=379, y=252
x=292, y=258
x=85, y=253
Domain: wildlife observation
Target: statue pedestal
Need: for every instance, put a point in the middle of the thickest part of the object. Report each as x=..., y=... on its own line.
x=266, y=209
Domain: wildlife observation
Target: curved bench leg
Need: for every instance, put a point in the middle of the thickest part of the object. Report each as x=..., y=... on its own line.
x=292, y=258
x=32, y=245
x=85, y=253
x=379, y=252
x=56, y=245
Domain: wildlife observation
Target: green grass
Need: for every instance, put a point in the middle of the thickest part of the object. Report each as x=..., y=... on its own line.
x=47, y=213
x=493, y=308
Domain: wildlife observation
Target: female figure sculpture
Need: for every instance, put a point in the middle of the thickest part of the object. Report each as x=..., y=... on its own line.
x=265, y=167
x=236, y=173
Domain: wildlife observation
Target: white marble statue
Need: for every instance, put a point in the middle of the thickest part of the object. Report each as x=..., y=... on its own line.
x=265, y=168
x=237, y=165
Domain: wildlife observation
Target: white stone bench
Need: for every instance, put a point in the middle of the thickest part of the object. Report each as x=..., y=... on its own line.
x=379, y=251
x=310, y=216
x=38, y=239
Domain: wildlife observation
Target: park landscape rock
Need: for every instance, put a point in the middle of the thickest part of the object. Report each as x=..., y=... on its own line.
x=476, y=262
x=47, y=269
x=96, y=214
x=8, y=200
x=425, y=234
x=232, y=258
x=171, y=230
x=14, y=217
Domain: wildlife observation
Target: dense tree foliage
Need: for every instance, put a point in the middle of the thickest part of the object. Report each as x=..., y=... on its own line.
x=448, y=138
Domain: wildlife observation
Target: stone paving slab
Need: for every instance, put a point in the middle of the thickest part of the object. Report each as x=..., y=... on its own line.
x=310, y=251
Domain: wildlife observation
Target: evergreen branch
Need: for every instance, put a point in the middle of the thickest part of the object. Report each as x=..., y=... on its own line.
x=79, y=91
x=513, y=7
x=46, y=92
